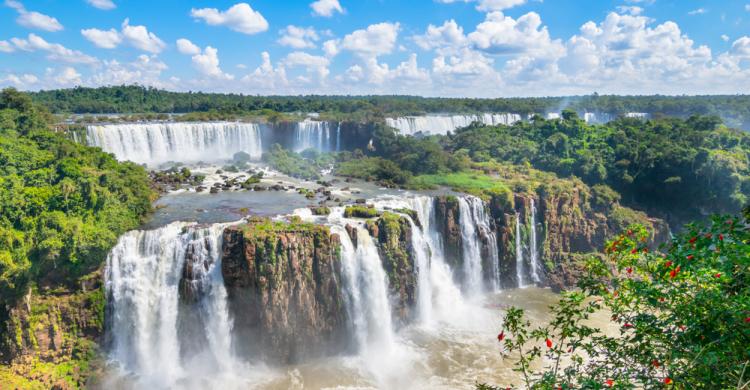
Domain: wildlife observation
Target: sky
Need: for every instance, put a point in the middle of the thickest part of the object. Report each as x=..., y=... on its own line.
x=464, y=48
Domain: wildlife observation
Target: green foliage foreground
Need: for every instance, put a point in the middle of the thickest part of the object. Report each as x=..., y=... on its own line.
x=682, y=317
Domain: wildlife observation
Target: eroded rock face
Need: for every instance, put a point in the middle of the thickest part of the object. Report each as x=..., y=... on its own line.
x=284, y=287
x=447, y=217
x=393, y=235
x=62, y=329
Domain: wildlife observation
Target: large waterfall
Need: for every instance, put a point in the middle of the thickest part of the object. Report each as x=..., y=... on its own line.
x=475, y=231
x=529, y=251
x=148, y=327
x=534, y=246
x=443, y=124
x=157, y=143
x=316, y=135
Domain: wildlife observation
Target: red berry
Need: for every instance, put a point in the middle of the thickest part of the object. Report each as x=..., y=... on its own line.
x=668, y=264
x=634, y=251
x=655, y=363
x=627, y=325
x=549, y=343
x=501, y=336
x=747, y=320
x=718, y=275
x=667, y=380
x=610, y=382
x=694, y=239
x=630, y=270
x=721, y=237
x=690, y=257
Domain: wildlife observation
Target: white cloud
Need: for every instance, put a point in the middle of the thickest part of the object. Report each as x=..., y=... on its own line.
x=326, y=8
x=240, y=17
x=316, y=66
x=377, y=39
x=106, y=39
x=6, y=47
x=266, y=78
x=725, y=37
x=33, y=19
x=490, y=5
x=629, y=9
x=68, y=76
x=184, y=46
x=331, y=47
x=24, y=81
x=698, y=11
x=298, y=37
x=145, y=70
x=747, y=7
x=140, y=38
x=446, y=37
x=741, y=47
x=102, y=4
x=207, y=63
x=55, y=51
x=500, y=34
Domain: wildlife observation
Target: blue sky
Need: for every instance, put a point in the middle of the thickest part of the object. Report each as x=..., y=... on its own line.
x=474, y=48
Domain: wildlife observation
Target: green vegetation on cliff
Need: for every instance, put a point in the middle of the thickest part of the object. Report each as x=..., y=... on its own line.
x=306, y=165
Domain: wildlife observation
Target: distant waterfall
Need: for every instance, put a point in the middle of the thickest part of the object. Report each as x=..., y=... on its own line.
x=313, y=135
x=142, y=276
x=519, y=253
x=534, y=246
x=158, y=143
x=443, y=124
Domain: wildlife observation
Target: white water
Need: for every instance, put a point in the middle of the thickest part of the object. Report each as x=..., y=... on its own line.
x=519, y=253
x=443, y=124
x=534, y=247
x=142, y=281
x=315, y=135
x=157, y=143
x=472, y=252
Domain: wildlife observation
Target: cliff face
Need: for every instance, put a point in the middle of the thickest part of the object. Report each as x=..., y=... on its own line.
x=447, y=217
x=393, y=235
x=284, y=289
x=50, y=341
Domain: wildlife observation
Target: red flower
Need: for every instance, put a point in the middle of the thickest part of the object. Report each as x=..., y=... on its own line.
x=655, y=363
x=668, y=264
x=709, y=235
x=501, y=336
x=747, y=320
x=634, y=251
x=645, y=250
x=721, y=237
x=570, y=350
x=667, y=380
x=661, y=299
x=549, y=343
x=694, y=239
x=690, y=257
x=683, y=327
x=674, y=272
x=630, y=232
x=610, y=382
x=627, y=325
x=718, y=275
x=630, y=270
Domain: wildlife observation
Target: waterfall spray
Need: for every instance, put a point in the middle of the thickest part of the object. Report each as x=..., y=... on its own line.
x=534, y=247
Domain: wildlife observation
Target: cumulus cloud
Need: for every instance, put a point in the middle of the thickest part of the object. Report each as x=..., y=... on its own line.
x=145, y=70
x=20, y=81
x=698, y=11
x=501, y=34
x=741, y=47
x=489, y=5
x=55, y=51
x=448, y=36
x=316, y=66
x=240, y=17
x=140, y=38
x=102, y=4
x=6, y=47
x=331, y=47
x=106, y=39
x=68, y=76
x=184, y=46
x=33, y=19
x=266, y=77
x=375, y=40
x=298, y=37
x=725, y=37
x=326, y=8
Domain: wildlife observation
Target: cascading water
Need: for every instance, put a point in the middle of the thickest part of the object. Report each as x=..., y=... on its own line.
x=157, y=143
x=472, y=252
x=443, y=124
x=534, y=247
x=143, y=276
x=313, y=134
x=519, y=253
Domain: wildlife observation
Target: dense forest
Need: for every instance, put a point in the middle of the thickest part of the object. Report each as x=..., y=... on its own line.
x=734, y=110
x=62, y=205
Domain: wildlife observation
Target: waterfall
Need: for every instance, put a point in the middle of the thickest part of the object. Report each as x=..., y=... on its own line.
x=519, y=252
x=534, y=247
x=443, y=124
x=338, y=137
x=472, y=252
x=366, y=287
x=158, y=143
x=312, y=135
x=142, y=276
